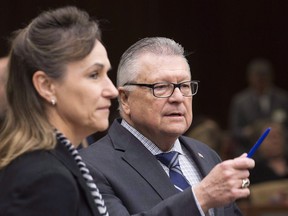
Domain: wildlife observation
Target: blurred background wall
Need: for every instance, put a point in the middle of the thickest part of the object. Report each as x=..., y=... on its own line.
x=221, y=35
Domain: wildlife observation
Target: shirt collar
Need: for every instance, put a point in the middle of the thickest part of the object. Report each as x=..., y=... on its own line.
x=153, y=148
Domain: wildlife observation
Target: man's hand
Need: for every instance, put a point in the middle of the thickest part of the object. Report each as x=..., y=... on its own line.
x=223, y=184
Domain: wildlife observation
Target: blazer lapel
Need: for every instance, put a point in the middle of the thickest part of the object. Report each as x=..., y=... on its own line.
x=141, y=160
x=198, y=156
x=63, y=155
x=201, y=161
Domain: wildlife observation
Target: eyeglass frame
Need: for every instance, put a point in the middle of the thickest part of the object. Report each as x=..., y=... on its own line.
x=175, y=85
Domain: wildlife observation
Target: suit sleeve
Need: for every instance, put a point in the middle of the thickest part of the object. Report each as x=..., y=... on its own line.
x=47, y=194
x=180, y=204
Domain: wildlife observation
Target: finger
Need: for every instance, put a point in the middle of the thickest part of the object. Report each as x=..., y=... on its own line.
x=241, y=192
x=241, y=174
x=244, y=155
x=243, y=163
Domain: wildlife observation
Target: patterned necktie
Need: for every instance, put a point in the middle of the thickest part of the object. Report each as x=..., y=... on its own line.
x=85, y=173
x=171, y=160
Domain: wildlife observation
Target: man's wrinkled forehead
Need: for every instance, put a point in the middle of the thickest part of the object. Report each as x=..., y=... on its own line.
x=163, y=62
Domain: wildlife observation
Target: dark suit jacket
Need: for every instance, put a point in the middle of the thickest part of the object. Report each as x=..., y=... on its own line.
x=133, y=182
x=43, y=183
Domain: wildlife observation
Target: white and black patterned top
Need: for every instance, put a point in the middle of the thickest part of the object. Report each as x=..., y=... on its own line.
x=85, y=173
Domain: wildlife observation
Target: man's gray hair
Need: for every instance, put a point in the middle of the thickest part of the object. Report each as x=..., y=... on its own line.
x=128, y=68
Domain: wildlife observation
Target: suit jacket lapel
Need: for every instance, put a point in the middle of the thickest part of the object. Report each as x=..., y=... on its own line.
x=63, y=155
x=141, y=160
x=198, y=156
x=200, y=159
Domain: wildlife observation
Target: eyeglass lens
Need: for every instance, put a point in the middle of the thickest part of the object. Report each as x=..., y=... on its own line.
x=167, y=89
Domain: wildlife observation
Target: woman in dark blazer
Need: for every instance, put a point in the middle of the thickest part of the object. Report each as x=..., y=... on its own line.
x=58, y=93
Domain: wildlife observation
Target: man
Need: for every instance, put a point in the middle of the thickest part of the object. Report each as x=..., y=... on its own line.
x=3, y=74
x=261, y=100
x=155, y=100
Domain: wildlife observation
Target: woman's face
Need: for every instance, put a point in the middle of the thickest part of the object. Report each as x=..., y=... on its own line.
x=84, y=95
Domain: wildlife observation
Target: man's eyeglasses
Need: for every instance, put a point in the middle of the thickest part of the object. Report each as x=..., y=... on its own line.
x=166, y=89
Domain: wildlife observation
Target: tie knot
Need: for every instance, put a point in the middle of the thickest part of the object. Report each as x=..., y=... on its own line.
x=169, y=159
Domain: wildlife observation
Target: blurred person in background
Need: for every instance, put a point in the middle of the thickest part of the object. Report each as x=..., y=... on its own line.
x=271, y=157
x=260, y=100
x=208, y=131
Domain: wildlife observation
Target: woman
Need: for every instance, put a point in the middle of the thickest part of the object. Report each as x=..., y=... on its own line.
x=58, y=93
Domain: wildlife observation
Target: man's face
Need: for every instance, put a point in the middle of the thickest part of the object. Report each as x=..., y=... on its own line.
x=160, y=118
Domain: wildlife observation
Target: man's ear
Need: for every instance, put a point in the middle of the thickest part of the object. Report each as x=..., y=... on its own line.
x=123, y=100
x=44, y=86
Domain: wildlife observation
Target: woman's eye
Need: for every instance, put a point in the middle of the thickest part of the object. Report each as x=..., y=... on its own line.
x=94, y=75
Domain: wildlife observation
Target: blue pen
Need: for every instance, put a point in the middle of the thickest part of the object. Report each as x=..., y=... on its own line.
x=258, y=143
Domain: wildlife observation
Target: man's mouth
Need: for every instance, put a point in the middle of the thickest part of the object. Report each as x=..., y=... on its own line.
x=177, y=114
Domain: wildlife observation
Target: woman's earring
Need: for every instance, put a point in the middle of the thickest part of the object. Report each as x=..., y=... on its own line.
x=53, y=101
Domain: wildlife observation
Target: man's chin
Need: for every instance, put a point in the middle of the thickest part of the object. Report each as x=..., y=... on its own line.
x=175, y=132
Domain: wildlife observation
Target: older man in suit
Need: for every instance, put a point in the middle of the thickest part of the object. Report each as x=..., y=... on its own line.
x=144, y=166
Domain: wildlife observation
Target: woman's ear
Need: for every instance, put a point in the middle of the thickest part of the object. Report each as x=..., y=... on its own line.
x=44, y=86
x=123, y=100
